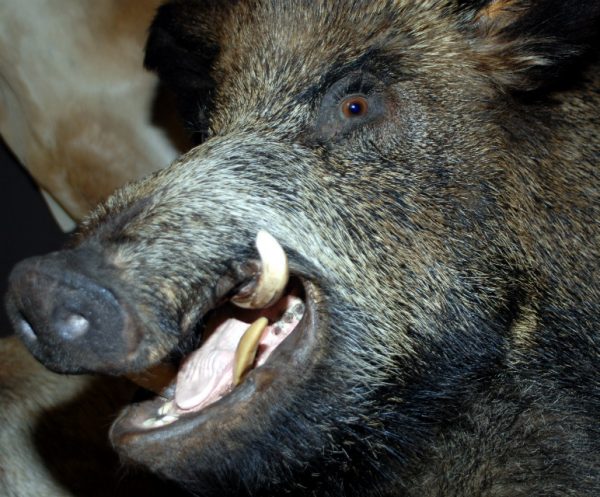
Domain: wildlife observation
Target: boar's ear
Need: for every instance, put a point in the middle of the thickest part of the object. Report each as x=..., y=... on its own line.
x=181, y=47
x=528, y=44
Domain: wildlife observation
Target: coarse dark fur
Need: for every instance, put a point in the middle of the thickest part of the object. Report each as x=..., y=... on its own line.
x=452, y=233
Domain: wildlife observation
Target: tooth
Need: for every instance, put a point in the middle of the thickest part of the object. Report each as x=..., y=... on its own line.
x=246, y=349
x=149, y=423
x=156, y=379
x=273, y=276
x=166, y=408
x=169, y=419
x=158, y=422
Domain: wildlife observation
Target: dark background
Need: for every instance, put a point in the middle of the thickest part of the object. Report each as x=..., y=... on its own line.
x=26, y=225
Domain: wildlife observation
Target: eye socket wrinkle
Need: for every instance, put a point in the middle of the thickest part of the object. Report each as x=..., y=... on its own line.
x=374, y=61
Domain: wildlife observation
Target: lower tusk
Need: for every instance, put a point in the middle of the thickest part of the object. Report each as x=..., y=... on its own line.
x=247, y=348
x=273, y=276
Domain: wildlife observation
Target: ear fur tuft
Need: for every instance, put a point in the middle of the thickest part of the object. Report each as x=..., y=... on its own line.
x=528, y=44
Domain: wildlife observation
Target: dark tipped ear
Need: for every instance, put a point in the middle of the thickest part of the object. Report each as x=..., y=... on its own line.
x=181, y=48
x=528, y=44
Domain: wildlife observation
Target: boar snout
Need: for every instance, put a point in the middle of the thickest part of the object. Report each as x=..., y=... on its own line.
x=68, y=317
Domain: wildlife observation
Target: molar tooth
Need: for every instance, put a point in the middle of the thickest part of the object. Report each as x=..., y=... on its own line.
x=169, y=419
x=158, y=422
x=273, y=276
x=246, y=349
x=150, y=423
x=166, y=408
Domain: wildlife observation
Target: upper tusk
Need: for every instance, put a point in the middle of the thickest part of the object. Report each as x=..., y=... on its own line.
x=273, y=276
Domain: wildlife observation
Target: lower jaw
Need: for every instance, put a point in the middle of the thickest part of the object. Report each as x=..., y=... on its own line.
x=286, y=366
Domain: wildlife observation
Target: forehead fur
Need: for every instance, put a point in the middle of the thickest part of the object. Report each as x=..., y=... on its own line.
x=262, y=41
x=329, y=32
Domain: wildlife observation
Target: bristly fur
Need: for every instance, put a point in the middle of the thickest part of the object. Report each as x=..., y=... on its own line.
x=453, y=233
x=527, y=44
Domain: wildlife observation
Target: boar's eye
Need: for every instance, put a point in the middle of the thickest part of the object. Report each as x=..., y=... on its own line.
x=354, y=106
x=352, y=102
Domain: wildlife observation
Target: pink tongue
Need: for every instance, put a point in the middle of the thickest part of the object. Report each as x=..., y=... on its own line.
x=207, y=374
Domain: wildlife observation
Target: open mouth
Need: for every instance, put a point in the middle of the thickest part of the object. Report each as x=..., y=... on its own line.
x=264, y=334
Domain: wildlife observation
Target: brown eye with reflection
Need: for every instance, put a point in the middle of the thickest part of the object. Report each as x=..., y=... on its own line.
x=355, y=106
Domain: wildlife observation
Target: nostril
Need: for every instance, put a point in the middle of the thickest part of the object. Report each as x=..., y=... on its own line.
x=67, y=315
x=25, y=328
x=72, y=326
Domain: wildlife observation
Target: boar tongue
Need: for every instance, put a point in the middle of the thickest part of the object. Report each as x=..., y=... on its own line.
x=208, y=373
